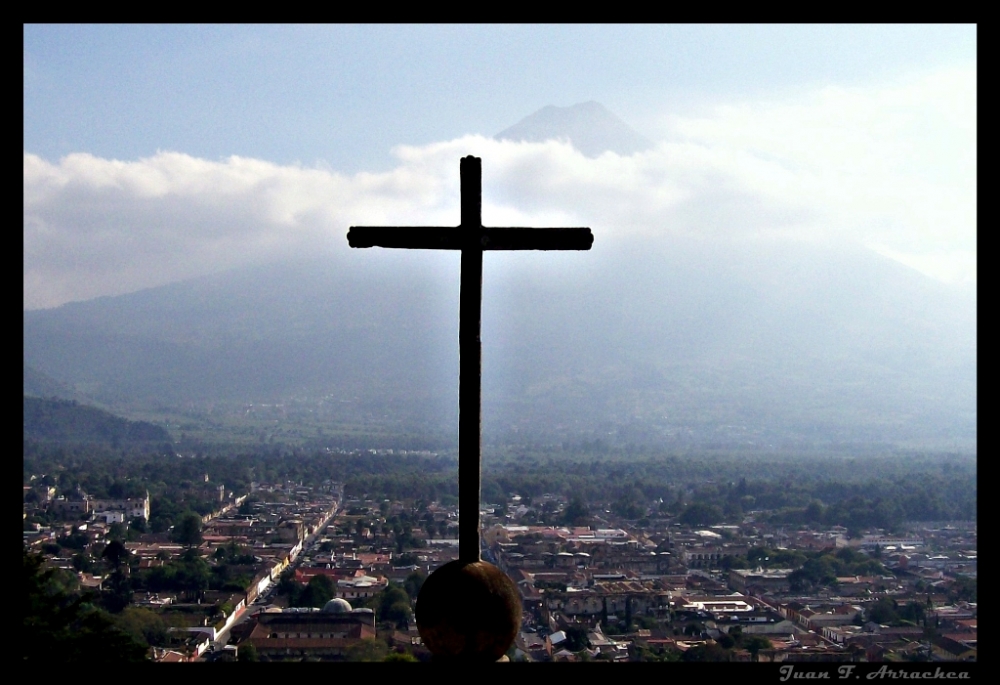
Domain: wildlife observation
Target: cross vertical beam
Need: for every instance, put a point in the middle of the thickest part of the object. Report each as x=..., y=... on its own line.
x=472, y=238
x=470, y=361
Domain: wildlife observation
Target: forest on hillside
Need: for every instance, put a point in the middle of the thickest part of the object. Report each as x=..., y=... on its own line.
x=69, y=421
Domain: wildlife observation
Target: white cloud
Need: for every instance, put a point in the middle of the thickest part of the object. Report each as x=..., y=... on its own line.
x=889, y=166
x=892, y=167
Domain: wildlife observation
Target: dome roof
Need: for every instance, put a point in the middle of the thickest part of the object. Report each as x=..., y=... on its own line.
x=337, y=606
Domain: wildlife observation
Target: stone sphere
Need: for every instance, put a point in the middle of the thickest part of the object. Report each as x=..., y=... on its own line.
x=468, y=611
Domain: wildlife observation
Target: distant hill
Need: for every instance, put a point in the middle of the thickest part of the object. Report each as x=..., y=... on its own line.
x=54, y=420
x=38, y=384
x=773, y=344
x=670, y=343
x=368, y=340
x=589, y=126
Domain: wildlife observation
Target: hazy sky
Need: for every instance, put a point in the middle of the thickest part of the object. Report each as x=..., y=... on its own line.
x=155, y=153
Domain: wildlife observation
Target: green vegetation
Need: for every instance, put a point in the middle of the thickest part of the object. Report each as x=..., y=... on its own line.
x=189, y=574
x=68, y=421
x=316, y=593
x=414, y=582
x=823, y=569
x=576, y=513
x=887, y=611
x=886, y=492
x=187, y=530
x=963, y=590
x=144, y=625
x=61, y=626
x=369, y=649
x=248, y=652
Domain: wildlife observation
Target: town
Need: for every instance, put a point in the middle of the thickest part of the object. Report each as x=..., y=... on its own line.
x=307, y=570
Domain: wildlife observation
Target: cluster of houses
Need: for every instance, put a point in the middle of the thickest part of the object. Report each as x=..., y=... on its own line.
x=284, y=519
x=614, y=591
x=666, y=586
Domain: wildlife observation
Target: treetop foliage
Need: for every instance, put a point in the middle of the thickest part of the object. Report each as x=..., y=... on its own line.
x=62, y=627
x=881, y=492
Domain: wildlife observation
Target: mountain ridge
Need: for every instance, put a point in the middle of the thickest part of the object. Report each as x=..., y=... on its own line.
x=589, y=126
x=683, y=333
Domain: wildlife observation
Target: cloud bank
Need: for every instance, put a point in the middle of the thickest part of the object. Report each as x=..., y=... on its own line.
x=892, y=167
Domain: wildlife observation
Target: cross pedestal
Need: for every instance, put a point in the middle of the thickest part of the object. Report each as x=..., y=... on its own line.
x=469, y=609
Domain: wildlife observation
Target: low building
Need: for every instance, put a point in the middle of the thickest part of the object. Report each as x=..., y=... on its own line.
x=759, y=580
x=326, y=633
x=129, y=508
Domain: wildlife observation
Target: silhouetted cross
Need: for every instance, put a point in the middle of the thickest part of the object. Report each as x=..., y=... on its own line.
x=471, y=237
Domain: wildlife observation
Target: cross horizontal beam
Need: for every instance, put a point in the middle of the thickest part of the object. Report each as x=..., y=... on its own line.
x=471, y=238
x=462, y=238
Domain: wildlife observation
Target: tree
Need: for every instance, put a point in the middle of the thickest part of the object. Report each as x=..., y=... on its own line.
x=701, y=514
x=369, y=649
x=400, y=656
x=246, y=508
x=814, y=512
x=726, y=642
x=755, y=643
x=818, y=572
x=407, y=559
x=75, y=540
x=913, y=612
x=883, y=611
x=647, y=622
x=193, y=573
x=413, y=583
x=117, y=591
x=116, y=554
x=144, y=625
x=187, y=531
x=289, y=587
x=62, y=628
x=576, y=639
x=117, y=531
x=627, y=505
x=83, y=562
x=963, y=589
x=394, y=605
x=576, y=513
x=318, y=592
x=707, y=652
